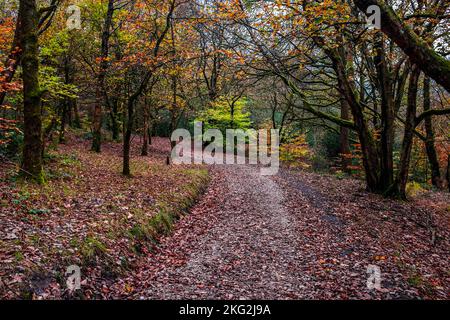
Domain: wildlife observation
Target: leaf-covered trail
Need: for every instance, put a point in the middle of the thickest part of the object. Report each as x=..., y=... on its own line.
x=263, y=237
x=297, y=234
x=242, y=246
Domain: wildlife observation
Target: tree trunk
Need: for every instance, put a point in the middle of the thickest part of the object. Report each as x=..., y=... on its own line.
x=76, y=121
x=344, y=146
x=368, y=148
x=66, y=104
x=47, y=135
x=32, y=148
x=115, y=128
x=100, y=95
x=127, y=139
x=144, y=151
x=387, y=117
x=405, y=157
x=97, y=126
x=429, y=142
x=69, y=113
x=64, y=113
x=448, y=172
x=48, y=130
x=73, y=117
x=150, y=132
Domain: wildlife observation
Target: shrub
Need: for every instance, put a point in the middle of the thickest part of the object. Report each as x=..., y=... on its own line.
x=92, y=248
x=11, y=144
x=413, y=189
x=295, y=152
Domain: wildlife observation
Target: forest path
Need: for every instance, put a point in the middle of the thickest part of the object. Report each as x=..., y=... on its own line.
x=293, y=235
x=239, y=242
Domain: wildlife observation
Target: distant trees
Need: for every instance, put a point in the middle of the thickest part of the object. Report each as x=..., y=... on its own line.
x=304, y=67
x=430, y=137
x=303, y=44
x=101, y=96
x=425, y=58
x=157, y=36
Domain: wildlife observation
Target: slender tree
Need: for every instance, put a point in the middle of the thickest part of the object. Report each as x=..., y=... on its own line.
x=101, y=95
x=430, y=141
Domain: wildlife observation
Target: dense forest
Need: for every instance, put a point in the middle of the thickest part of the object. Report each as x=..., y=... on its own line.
x=91, y=91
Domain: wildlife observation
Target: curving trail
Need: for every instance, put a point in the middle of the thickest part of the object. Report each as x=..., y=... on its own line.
x=249, y=251
x=288, y=236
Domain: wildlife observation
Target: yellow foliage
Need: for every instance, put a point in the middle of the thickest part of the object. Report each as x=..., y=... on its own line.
x=295, y=152
x=413, y=189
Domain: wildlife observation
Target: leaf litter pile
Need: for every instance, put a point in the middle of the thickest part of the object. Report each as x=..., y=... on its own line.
x=296, y=235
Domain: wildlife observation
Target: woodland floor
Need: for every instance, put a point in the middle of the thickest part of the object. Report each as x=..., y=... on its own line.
x=295, y=235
